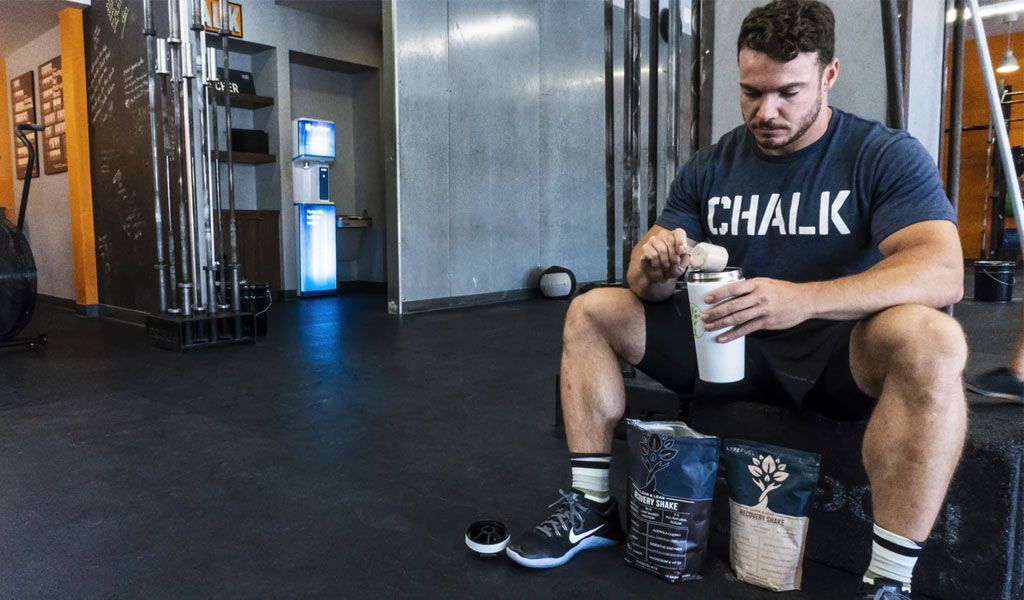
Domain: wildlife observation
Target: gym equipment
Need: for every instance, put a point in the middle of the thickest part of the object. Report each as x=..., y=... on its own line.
x=995, y=108
x=17, y=266
x=557, y=282
x=198, y=275
x=487, y=538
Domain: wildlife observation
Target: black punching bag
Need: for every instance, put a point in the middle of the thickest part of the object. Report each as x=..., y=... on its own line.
x=17, y=280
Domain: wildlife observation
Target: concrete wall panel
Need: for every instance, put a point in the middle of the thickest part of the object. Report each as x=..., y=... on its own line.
x=860, y=88
x=421, y=31
x=572, y=139
x=494, y=55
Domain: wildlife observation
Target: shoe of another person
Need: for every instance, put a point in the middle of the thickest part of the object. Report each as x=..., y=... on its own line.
x=577, y=524
x=881, y=589
x=998, y=383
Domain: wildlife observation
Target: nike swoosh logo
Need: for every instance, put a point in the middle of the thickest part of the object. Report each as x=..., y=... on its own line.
x=573, y=537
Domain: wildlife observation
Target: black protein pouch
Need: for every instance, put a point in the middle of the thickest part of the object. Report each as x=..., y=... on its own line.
x=770, y=490
x=672, y=472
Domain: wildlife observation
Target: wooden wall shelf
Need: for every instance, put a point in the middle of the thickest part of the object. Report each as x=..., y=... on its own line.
x=250, y=158
x=246, y=100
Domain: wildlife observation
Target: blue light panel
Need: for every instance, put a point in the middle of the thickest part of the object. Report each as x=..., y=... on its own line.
x=318, y=255
x=316, y=139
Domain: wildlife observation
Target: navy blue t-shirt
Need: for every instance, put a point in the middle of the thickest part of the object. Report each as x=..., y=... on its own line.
x=816, y=214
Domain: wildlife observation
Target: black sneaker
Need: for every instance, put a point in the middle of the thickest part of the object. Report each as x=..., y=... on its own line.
x=998, y=383
x=577, y=524
x=881, y=589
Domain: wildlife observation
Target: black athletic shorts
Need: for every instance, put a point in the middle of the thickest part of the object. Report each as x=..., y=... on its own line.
x=807, y=366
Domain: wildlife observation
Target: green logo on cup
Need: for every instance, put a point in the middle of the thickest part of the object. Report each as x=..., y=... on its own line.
x=698, y=325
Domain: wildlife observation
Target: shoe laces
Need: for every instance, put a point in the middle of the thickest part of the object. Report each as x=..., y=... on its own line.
x=889, y=594
x=569, y=511
x=887, y=591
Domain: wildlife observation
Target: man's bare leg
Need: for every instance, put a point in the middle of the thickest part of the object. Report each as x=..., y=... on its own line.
x=602, y=326
x=912, y=359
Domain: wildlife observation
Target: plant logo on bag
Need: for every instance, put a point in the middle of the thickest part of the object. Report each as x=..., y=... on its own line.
x=655, y=455
x=768, y=474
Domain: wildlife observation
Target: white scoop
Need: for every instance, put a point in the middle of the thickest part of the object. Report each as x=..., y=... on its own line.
x=709, y=257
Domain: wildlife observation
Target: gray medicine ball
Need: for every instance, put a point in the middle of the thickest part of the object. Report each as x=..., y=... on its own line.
x=557, y=282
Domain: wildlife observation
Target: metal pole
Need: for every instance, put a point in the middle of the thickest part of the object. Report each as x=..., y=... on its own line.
x=207, y=150
x=191, y=186
x=149, y=31
x=215, y=166
x=652, y=115
x=893, y=64
x=609, y=139
x=944, y=87
x=695, y=73
x=164, y=70
x=225, y=35
x=631, y=127
x=172, y=280
x=672, y=140
x=634, y=127
x=995, y=108
x=956, y=108
x=178, y=93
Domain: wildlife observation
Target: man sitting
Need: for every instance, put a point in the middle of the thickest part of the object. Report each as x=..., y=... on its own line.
x=849, y=246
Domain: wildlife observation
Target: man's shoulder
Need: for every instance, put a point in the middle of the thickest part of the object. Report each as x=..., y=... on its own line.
x=726, y=146
x=867, y=133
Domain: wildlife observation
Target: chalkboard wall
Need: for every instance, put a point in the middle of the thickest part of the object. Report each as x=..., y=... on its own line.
x=120, y=144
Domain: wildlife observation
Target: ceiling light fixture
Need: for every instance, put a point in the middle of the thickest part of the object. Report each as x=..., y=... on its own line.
x=1009, y=63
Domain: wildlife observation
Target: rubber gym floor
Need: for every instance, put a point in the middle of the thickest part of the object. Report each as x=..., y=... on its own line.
x=342, y=456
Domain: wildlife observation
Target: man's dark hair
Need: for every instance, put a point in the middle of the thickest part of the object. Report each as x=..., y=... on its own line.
x=782, y=29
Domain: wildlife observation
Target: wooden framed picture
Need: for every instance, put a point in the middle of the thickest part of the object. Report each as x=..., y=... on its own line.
x=23, y=107
x=54, y=147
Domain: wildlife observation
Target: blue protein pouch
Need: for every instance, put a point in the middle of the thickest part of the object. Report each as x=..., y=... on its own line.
x=672, y=472
x=770, y=490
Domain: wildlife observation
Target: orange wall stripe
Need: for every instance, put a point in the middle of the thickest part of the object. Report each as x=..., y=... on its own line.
x=76, y=116
x=6, y=175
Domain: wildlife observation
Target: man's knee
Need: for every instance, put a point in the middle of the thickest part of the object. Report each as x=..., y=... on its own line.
x=614, y=315
x=910, y=344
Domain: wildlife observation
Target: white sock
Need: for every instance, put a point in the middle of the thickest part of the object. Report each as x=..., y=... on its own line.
x=590, y=475
x=892, y=557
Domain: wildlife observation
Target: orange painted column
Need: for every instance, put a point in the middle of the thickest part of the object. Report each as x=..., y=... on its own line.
x=6, y=158
x=76, y=118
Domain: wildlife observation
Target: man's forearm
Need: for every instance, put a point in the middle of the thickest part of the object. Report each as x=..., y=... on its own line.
x=911, y=276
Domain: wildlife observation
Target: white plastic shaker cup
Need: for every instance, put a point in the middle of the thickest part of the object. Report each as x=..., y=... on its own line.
x=716, y=362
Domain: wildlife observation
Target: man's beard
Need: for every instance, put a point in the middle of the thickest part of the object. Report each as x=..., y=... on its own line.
x=810, y=117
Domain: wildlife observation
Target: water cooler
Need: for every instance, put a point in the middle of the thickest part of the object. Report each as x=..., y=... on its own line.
x=312, y=154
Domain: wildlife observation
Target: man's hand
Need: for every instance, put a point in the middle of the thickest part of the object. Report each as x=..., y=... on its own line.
x=756, y=304
x=665, y=255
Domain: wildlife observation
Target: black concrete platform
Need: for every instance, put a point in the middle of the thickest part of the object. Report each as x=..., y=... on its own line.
x=341, y=456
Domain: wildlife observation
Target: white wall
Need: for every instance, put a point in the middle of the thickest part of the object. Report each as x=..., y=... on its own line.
x=367, y=181
x=288, y=30
x=924, y=116
x=350, y=100
x=48, y=216
x=860, y=88
x=327, y=95
x=500, y=144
